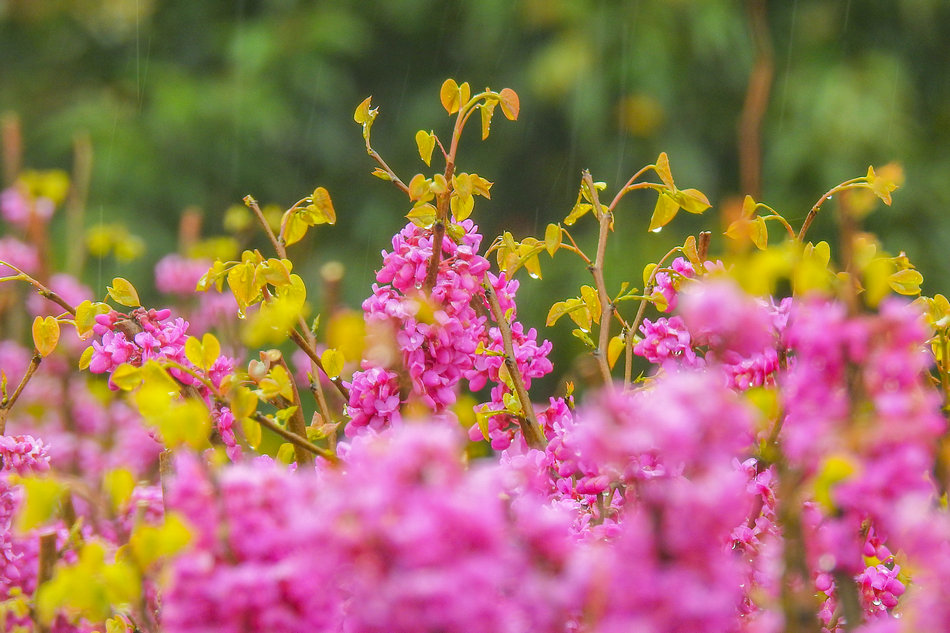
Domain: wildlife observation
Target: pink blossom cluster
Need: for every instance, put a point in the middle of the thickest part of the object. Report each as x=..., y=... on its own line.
x=145, y=335
x=401, y=538
x=438, y=335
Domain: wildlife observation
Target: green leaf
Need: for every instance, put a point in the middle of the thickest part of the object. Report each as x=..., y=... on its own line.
x=332, y=361
x=123, y=293
x=243, y=402
x=692, y=200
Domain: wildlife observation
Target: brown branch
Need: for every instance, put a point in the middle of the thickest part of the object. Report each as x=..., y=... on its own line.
x=278, y=245
x=530, y=428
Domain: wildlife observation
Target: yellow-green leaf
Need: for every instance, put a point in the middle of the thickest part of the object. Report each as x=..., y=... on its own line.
x=45, y=334
x=127, y=377
x=243, y=402
x=119, y=484
x=615, y=347
x=152, y=543
x=462, y=206
x=294, y=229
x=648, y=273
x=41, y=498
x=552, y=238
x=332, y=361
x=665, y=210
x=692, y=200
x=362, y=115
x=759, y=233
x=662, y=169
x=591, y=300
x=422, y=215
x=86, y=313
x=906, y=282
x=252, y=432
x=690, y=250
x=322, y=206
x=449, y=96
x=123, y=293
x=425, y=141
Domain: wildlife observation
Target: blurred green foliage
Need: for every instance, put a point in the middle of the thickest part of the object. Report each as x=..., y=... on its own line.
x=205, y=101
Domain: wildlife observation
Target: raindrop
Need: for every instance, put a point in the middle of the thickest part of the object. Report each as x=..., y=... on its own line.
x=534, y=275
x=656, y=230
x=418, y=285
x=242, y=315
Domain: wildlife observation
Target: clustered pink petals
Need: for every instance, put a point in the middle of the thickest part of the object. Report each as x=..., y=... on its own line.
x=23, y=454
x=438, y=335
x=156, y=336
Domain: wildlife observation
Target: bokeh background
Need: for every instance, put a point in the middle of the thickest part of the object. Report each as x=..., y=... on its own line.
x=192, y=104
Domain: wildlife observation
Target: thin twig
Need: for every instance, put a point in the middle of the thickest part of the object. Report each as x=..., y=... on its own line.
x=530, y=428
x=856, y=183
x=7, y=404
x=278, y=246
x=302, y=343
x=293, y=438
x=597, y=270
x=296, y=424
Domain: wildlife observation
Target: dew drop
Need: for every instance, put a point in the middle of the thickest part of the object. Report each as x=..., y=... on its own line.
x=242, y=315
x=418, y=285
x=656, y=230
x=534, y=275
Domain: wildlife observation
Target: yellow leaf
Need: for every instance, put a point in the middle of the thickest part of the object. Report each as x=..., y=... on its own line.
x=462, y=207
x=332, y=361
x=465, y=93
x=425, y=141
x=419, y=189
x=488, y=109
x=41, y=498
x=127, y=377
x=422, y=215
x=692, y=200
x=533, y=266
x=748, y=207
x=906, y=282
x=592, y=301
x=691, y=252
x=86, y=313
x=362, y=115
x=123, y=293
x=665, y=210
x=382, y=174
x=119, y=484
x=449, y=95
x=648, y=273
x=662, y=169
x=759, y=234
x=152, y=543
x=45, y=334
x=252, y=432
x=552, y=238
x=193, y=352
x=510, y=103
x=294, y=228
x=614, y=348
x=243, y=402
x=323, y=205
x=86, y=358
